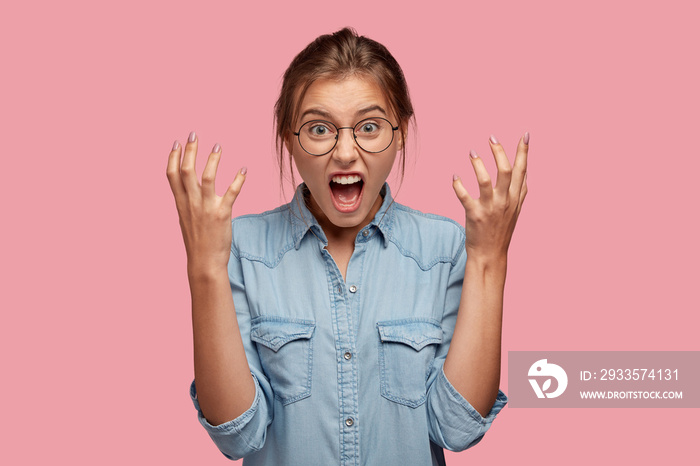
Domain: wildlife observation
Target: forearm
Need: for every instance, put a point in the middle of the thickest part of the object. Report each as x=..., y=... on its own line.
x=473, y=363
x=225, y=387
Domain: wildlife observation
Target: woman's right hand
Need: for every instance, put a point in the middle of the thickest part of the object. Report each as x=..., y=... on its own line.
x=205, y=218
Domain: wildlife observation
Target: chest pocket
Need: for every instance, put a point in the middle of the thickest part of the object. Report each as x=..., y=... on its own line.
x=406, y=352
x=285, y=347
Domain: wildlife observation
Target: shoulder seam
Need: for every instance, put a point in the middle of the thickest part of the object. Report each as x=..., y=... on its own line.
x=429, y=215
x=244, y=255
x=453, y=258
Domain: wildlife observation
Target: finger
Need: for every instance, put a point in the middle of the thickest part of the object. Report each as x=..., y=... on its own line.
x=209, y=173
x=503, y=164
x=173, y=171
x=188, y=171
x=482, y=177
x=461, y=192
x=235, y=188
x=520, y=165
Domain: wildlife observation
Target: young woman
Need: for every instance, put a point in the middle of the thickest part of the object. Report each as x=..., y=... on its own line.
x=343, y=327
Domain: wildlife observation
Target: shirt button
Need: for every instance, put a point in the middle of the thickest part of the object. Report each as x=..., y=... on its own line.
x=347, y=355
x=353, y=288
x=349, y=422
x=365, y=233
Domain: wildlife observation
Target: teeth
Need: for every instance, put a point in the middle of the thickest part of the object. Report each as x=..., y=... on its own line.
x=346, y=179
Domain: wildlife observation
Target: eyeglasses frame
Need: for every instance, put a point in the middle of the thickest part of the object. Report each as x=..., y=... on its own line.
x=337, y=135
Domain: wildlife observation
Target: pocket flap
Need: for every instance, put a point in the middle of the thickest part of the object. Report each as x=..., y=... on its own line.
x=275, y=332
x=416, y=333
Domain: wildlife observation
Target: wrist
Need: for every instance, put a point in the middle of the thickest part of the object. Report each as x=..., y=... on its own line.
x=206, y=271
x=487, y=260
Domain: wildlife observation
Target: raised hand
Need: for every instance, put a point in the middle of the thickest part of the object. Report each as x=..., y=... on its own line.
x=205, y=218
x=473, y=362
x=491, y=218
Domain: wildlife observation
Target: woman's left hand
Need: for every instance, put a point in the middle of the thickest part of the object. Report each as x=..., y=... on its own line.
x=490, y=219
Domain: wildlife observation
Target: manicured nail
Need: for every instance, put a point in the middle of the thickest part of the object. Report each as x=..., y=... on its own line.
x=493, y=139
x=455, y=177
x=176, y=145
x=244, y=170
x=216, y=148
x=526, y=138
x=472, y=154
x=192, y=137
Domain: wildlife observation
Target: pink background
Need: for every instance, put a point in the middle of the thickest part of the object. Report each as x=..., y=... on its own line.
x=96, y=336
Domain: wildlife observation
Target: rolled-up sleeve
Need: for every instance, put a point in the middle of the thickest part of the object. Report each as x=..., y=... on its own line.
x=454, y=423
x=243, y=435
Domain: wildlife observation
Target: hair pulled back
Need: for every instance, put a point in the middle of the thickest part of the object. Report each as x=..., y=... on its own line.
x=341, y=55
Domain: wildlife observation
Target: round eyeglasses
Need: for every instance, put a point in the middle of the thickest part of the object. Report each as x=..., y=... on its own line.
x=319, y=137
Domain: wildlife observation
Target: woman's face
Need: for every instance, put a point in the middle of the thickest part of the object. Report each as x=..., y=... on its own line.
x=345, y=182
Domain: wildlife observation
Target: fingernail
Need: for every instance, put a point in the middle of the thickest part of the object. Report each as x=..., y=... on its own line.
x=472, y=154
x=216, y=148
x=244, y=170
x=493, y=139
x=526, y=138
x=455, y=177
x=192, y=137
x=175, y=145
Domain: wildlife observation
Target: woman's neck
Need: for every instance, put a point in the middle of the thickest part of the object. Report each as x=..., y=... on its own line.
x=337, y=236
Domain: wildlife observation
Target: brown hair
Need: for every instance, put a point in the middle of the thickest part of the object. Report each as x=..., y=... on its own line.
x=337, y=56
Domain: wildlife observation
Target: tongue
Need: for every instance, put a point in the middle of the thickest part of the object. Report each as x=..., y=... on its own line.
x=346, y=193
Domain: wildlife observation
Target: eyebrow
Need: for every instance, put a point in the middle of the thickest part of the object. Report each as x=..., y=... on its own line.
x=327, y=115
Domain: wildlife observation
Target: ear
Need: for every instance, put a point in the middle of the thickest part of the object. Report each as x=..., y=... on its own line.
x=400, y=136
x=288, y=141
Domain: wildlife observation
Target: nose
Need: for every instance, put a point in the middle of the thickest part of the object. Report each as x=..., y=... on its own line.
x=346, y=149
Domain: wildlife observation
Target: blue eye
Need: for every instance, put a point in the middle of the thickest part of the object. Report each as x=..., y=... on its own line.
x=319, y=130
x=368, y=127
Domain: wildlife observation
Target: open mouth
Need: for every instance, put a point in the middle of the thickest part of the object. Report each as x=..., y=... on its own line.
x=346, y=192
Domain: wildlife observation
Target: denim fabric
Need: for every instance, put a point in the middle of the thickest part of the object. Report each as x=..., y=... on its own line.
x=348, y=372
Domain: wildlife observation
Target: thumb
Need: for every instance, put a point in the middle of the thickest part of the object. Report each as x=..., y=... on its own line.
x=235, y=188
x=461, y=191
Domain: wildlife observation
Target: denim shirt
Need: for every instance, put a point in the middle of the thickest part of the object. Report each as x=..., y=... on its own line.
x=348, y=372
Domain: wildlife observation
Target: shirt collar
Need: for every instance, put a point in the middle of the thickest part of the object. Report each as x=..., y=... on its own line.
x=304, y=222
